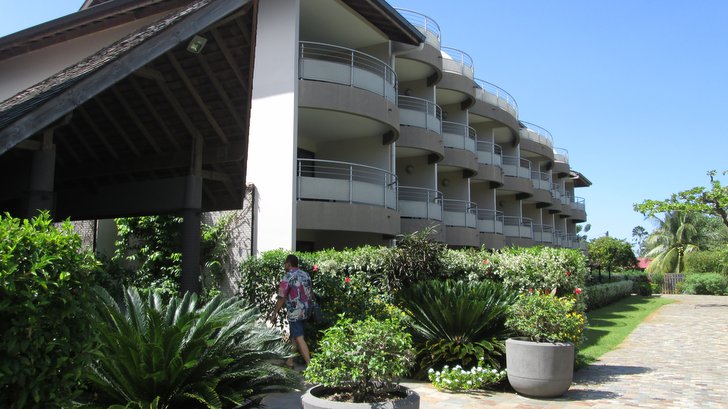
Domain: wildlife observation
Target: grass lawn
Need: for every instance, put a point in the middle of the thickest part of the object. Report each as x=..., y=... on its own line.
x=610, y=325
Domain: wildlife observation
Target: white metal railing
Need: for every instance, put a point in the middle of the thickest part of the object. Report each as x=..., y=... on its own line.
x=559, y=238
x=543, y=233
x=489, y=153
x=420, y=113
x=573, y=241
x=420, y=203
x=566, y=198
x=515, y=166
x=460, y=213
x=457, y=61
x=460, y=136
x=541, y=180
x=578, y=203
x=426, y=25
x=341, y=65
x=346, y=182
x=537, y=134
x=514, y=226
x=490, y=221
x=561, y=155
x=495, y=95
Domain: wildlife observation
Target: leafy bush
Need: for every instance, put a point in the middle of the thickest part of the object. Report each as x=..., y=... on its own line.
x=416, y=258
x=540, y=268
x=705, y=284
x=363, y=356
x=457, y=323
x=706, y=262
x=46, y=337
x=604, y=294
x=611, y=254
x=468, y=264
x=543, y=317
x=459, y=379
x=184, y=355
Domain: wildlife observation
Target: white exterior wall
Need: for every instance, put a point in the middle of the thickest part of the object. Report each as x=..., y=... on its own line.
x=273, y=125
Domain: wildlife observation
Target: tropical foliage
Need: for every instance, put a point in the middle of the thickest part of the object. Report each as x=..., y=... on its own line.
x=705, y=284
x=544, y=317
x=46, y=337
x=456, y=322
x=415, y=258
x=611, y=254
x=460, y=379
x=364, y=356
x=667, y=245
x=181, y=354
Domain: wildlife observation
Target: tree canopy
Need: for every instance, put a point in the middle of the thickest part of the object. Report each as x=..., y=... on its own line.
x=611, y=254
x=708, y=200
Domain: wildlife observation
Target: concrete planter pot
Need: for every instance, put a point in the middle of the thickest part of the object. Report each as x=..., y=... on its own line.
x=539, y=369
x=310, y=400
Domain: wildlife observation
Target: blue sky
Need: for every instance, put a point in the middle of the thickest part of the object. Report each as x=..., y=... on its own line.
x=635, y=90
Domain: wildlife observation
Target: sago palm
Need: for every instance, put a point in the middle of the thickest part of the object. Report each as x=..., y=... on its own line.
x=183, y=355
x=676, y=235
x=457, y=322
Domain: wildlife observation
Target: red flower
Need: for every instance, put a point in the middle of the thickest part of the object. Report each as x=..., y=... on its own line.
x=347, y=280
x=568, y=273
x=530, y=290
x=485, y=261
x=577, y=290
x=315, y=268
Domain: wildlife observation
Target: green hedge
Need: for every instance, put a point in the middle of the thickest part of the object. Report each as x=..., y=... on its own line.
x=706, y=262
x=46, y=324
x=705, y=284
x=604, y=294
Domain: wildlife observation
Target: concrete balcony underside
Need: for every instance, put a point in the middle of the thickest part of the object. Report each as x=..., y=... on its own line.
x=413, y=225
x=578, y=215
x=423, y=139
x=343, y=98
x=462, y=236
x=560, y=169
x=484, y=109
x=461, y=158
x=519, y=242
x=318, y=215
x=429, y=56
x=492, y=240
x=566, y=211
x=489, y=173
x=537, y=148
x=460, y=84
x=522, y=186
x=542, y=198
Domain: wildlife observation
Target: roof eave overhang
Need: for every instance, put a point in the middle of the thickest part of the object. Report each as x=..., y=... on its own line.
x=388, y=20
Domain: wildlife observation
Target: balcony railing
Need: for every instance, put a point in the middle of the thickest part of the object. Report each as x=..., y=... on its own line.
x=541, y=180
x=561, y=155
x=346, y=182
x=420, y=113
x=515, y=166
x=495, y=95
x=460, y=213
x=521, y=227
x=537, y=134
x=460, y=136
x=543, y=233
x=457, y=61
x=490, y=221
x=489, y=153
x=341, y=65
x=420, y=203
x=426, y=25
x=578, y=203
x=566, y=198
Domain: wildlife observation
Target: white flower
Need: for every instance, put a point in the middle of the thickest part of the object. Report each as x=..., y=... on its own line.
x=431, y=370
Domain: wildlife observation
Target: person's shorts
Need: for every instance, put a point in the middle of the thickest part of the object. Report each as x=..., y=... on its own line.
x=296, y=328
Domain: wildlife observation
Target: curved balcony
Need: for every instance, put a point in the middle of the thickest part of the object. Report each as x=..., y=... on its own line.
x=345, y=66
x=460, y=213
x=495, y=95
x=518, y=227
x=489, y=157
x=543, y=233
x=516, y=167
x=457, y=62
x=535, y=139
x=458, y=136
x=420, y=203
x=541, y=180
x=420, y=113
x=561, y=163
x=578, y=209
x=490, y=221
x=425, y=24
x=561, y=155
x=346, y=182
x=560, y=239
x=456, y=85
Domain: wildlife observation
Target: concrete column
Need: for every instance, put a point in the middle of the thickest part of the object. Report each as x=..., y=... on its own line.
x=190, y=280
x=42, y=176
x=272, y=145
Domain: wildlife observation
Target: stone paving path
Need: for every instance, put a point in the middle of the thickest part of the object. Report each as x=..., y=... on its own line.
x=677, y=358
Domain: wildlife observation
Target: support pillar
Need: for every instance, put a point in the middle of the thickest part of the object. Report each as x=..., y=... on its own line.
x=191, y=219
x=42, y=176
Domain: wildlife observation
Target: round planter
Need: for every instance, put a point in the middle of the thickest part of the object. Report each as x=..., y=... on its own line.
x=539, y=369
x=310, y=400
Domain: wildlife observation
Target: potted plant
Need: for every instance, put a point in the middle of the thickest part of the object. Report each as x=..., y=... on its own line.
x=358, y=365
x=540, y=361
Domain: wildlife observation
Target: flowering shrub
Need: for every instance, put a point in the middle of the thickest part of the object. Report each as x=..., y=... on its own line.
x=459, y=379
x=543, y=317
x=541, y=268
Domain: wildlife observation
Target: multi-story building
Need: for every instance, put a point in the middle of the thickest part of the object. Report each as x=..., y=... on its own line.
x=372, y=128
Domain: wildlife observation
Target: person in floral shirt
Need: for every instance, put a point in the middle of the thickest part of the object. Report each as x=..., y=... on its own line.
x=295, y=291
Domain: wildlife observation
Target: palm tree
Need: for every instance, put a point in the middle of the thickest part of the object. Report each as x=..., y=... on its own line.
x=676, y=235
x=639, y=234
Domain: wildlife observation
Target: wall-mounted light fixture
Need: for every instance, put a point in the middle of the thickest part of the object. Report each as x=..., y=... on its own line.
x=446, y=182
x=409, y=169
x=196, y=44
x=408, y=91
